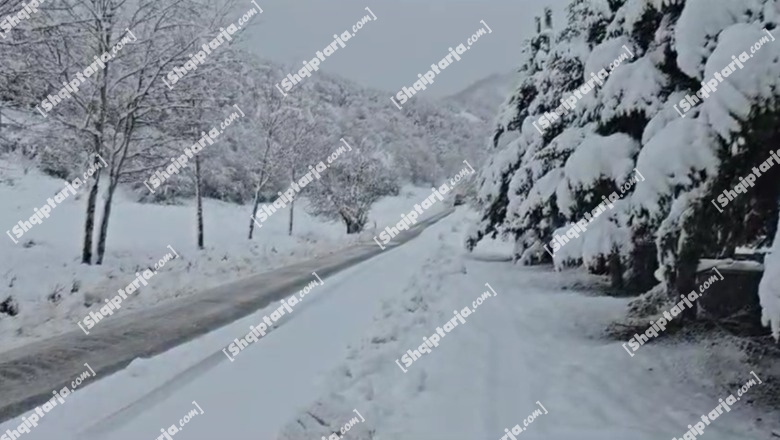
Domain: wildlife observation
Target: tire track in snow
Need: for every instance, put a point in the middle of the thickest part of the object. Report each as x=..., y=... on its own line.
x=128, y=412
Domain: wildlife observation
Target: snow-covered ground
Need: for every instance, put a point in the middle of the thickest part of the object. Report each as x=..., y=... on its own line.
x=537, y=340
x=138, y=237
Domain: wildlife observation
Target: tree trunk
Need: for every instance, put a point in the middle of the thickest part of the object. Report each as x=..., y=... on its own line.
x=353, y=225
x=199, y=198
x=101, y=246
x=643, y=262
x=89, y=223
x=685, y=282
x=292, y=205
x=260, y=184
x=616, y=270
x=255, y=205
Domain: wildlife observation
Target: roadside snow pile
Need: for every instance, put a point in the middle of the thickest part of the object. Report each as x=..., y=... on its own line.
x=650, y=303
x=538, y=340
x=370, y=372
x=329, y=418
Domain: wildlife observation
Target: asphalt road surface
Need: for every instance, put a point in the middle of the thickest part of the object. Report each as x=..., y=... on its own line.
x=28, y=374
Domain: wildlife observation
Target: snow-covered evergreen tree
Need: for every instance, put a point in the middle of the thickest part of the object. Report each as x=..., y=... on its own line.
x=540, y=183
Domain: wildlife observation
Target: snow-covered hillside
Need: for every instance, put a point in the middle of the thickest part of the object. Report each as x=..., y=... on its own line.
x=483, y=98
x=51, y=290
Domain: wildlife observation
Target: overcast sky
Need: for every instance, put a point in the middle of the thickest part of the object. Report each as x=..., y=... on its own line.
x=407, y=37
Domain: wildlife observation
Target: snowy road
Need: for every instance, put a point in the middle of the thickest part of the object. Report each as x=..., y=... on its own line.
x=535, y=341
x=29, y=374
x=538, y=340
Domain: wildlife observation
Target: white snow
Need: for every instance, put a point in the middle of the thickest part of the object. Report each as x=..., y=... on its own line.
x=671, y=158
x=569, y=254
x=537, y=197
x=535, y=341
x=741, y=265
x=769, y=290
x=633, y=86
x=609, y=158
x=605, y=54
x=698, y=29
x=469, y=117
x=755, y=85
x=228, y=254
x=633, y=11
x=603, y=236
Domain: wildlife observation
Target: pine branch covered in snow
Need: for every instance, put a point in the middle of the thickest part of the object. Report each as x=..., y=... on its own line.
x=540, y=183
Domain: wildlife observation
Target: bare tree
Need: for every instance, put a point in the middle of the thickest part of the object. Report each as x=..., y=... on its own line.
x=300, y=138
x=199, y=111
x=277, y=119
x=120, y=95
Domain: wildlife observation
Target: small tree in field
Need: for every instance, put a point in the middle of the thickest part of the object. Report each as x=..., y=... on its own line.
x=351, y=185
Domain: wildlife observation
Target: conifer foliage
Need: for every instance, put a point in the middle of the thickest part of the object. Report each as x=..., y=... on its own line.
x=538, y=184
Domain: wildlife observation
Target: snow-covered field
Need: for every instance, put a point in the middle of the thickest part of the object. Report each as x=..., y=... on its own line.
x=537, y=340
x=46, y=261
x=628, y=138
